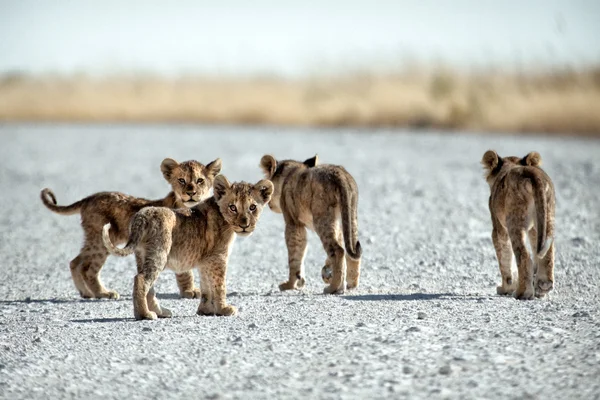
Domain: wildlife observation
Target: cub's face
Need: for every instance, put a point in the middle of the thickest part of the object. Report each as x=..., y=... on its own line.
x=242, y=203
x=190, y=180
x=494, y=164
x=278, y=171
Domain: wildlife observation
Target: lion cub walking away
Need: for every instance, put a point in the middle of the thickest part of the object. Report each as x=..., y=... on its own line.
x=181, y=241
x=190, y=182
x=323, y=198
x=522, y=205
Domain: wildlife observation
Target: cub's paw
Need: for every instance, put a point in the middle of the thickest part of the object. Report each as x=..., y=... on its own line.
x=505, y=290
x=164, y=313
x=287, y=286
x=351, y=285
x=300, y=282
x=149, y=315
x=205, y=309
x=543, y=287
x=227, y=311
x=326, y=274
x=85, y=295
x=113, y=295
x=524, y=294
x=191, y=294
x=333, y=290
x=110, y=294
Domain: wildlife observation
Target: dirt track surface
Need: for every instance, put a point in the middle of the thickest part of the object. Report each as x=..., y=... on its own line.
x=425, y=322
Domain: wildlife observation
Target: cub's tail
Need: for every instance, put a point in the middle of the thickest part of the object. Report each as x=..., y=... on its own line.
x=134, y=239
x=349, y=211
x=541, y=208
x=49, y=201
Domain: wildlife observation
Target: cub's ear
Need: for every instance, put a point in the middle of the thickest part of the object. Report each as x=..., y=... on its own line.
x=220, y=186
x=490, y=160
x=533, y=159
x=167, y=167
x=268, y=164
x=213, y=168
x=265, y=189
x=312, y=162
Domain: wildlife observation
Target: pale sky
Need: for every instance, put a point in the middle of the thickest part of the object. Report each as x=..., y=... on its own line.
x=291, y=38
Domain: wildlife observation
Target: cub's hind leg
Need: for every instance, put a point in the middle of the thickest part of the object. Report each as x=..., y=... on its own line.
x=352, y=267
x=545, y=273
x=150, y=265
x=185, y=282
x=93, y=257
x=325, y=226
x=78, y=278
x=295, y=239
x=518, y=235
x=504, y=253
x=206, y=306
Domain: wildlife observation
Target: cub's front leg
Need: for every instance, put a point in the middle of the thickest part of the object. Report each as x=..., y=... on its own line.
x=185, y=282
x=295, y=239
x=214, y=273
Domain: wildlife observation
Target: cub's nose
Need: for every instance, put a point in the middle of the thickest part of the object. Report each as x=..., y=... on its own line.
x=191, y=193
x=244, y=223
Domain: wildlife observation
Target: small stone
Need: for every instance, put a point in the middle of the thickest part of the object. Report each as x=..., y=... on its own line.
x=223, y=361
x=581, y=314
x=253, y=326
x=421, y=315
x=407, y=369
x=360, y=324
x=413, y=329
x=445, y=370
x=37, y=340
x=146, y=329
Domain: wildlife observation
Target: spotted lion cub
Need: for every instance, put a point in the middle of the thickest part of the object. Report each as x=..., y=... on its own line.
x=522, y=205
x=323, y=198
x=163, y=238
x=190, y=182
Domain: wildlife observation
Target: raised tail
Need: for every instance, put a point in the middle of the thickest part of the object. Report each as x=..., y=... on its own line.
x=49, y=201
x=112, y=249
x=541, y=209
x=350, y=222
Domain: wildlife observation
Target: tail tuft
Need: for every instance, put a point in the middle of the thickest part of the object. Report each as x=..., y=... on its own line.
x=542, y=252
x=355, y=253
x=112, y=249
x=49, y=200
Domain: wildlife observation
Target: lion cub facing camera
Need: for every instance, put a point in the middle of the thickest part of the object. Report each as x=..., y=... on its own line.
x=202, y=237
x=323, y=198
x=522, y=205
x=190, y=182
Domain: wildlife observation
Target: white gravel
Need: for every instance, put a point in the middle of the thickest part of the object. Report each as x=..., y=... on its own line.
x=425, y=323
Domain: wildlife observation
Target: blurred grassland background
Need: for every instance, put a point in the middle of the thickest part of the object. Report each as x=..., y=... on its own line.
x=464, y=65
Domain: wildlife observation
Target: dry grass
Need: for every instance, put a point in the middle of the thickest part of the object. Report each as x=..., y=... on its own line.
x=554, y=102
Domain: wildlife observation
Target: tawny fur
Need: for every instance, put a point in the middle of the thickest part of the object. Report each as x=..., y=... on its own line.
x=190, y=182
x=203, y=238
x=323, y=198
x=522, y=206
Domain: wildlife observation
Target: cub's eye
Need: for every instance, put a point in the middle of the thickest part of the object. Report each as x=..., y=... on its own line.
x=252, y=207
x=182, y=181
x=233, y=208
x=200, y=181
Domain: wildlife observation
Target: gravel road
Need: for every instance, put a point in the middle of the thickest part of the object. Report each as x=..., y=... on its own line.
x=425, y=323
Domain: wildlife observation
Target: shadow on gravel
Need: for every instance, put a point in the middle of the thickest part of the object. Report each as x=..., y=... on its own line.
x=55, y=301
x=414, y=296
x=101, y=320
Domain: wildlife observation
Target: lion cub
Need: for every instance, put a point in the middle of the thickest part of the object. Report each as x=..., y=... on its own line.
x=191, y=183
x=203, y=238
x=522, y=204
x=322, y=198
